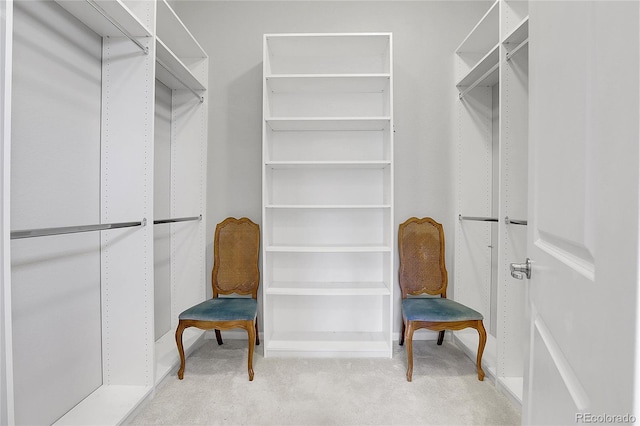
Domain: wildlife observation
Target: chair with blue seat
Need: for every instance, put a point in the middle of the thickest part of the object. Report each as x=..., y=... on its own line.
x=423, y=277
x=236, y=248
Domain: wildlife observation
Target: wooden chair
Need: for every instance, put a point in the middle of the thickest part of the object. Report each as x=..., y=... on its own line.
x=235, y=271
x=423, y=272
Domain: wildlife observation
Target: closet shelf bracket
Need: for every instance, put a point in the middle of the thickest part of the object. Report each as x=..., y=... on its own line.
x=43, y=232
x=113, y=22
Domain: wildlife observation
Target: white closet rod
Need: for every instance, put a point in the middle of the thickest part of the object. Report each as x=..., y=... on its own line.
x=196, y=94
x=514, y=221
x=478, y=81
x=43, y=232
x=126, y=33
x=518, y=47
x=179, y=219
x=478, y=218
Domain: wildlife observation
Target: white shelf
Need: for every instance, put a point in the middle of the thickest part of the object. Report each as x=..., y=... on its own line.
x=108, y=405
x=519, y=34
x=328, y=123
x=175, y=34
x=314, y=83
x=173, y=72
x=328, y=164
x=330, y=344
x=328, y=288
x=115, y=9
x=327, y=206
x=485, y=34
x=485, y=72
x=328, y=249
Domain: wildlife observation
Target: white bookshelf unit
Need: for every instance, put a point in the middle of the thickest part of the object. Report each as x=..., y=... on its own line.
x=492, y=150
x=328, y=246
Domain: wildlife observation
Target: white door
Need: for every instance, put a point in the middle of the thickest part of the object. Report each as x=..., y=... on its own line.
x=583, y=211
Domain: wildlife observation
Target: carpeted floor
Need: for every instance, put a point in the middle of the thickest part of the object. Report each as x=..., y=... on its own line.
x=216, y=390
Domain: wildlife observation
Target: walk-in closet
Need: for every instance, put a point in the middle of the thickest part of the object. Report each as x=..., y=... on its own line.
x=131, y=128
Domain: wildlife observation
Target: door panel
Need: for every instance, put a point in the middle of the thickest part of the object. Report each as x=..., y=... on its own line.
x=583, y=209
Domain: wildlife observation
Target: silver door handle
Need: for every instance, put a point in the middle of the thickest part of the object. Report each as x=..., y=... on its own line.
x=521, y=270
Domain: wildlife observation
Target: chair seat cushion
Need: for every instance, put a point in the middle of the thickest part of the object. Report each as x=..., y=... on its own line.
x=437, y=309
x=223, y=309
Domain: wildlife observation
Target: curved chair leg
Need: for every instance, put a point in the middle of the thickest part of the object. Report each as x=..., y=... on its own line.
x=179, y=332
x=401, y=342
x=440, y=337
x=482, y=341
x=257, y=335
x=409, y=339
x=252, y=339
x=218, y=337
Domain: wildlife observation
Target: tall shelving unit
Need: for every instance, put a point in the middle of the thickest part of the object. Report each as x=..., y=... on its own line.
x=182, y=66
x=328, y=195
x=492, y=148
x=141, y=42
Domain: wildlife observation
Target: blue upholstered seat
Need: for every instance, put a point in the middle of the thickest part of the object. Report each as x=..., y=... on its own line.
x=436, y=309
x=223, y=309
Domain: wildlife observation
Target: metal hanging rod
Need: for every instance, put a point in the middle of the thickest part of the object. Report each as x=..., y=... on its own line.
x=514, y=221
x=478, y=81
x=478, y=218
x=179, y=219
x=43, y=232
x=126, y=33
x=196, y=94
x=518, y=47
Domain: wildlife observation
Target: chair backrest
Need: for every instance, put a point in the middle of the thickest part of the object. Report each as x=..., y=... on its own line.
x=421, y=249
x=236, y=246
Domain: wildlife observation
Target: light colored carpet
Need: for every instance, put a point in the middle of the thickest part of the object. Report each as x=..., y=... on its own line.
x=216, y=390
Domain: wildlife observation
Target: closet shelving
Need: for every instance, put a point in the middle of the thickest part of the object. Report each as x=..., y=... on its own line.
x=141, y=41
x=182, y=66
x=327, y=252
x=178, y=53
x=492, y=135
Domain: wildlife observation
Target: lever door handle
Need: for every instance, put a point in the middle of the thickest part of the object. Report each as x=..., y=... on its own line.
x=521, y=270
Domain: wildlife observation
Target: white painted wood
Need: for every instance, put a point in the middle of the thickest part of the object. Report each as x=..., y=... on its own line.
x=108, y=405
x=186, y=186
x=492, y=129
x=583, y=227
x=328, y=123
x=7, y=414
x=163, y=315
x=173, y=72
x=172, y=31
x=127, y=183
x=189, y=183
x=123, y=186
x=115, y=9
x=327, y=195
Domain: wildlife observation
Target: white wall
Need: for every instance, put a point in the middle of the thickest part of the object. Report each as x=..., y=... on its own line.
x=425, y=35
